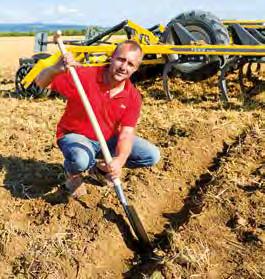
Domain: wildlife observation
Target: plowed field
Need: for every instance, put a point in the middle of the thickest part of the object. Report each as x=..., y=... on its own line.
x=202, y=205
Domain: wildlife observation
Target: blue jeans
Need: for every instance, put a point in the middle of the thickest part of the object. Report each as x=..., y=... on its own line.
x=80, y=152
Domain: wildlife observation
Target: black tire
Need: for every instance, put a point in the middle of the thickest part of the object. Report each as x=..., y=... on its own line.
x=33, y=91
x=203, y=26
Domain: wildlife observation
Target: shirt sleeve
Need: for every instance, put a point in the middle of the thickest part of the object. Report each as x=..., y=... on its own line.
x=63, y=84
x=132, y=112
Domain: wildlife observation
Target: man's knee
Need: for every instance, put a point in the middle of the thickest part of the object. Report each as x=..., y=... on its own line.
x=79, y=161
x=144, y=154
x=154, y=156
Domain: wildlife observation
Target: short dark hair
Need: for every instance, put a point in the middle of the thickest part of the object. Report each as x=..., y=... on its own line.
x=133, y=46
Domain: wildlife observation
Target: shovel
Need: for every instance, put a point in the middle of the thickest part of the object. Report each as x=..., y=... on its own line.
x=129, y=209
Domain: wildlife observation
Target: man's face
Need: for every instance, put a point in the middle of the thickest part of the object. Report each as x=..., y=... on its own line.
x=124, y=63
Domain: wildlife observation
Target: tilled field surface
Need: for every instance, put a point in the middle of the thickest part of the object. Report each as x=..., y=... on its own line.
x=202, y=204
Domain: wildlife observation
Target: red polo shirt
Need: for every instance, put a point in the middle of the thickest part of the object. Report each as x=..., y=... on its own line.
x=121, y=110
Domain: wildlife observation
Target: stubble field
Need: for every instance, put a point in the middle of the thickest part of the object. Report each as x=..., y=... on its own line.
x=203, y=205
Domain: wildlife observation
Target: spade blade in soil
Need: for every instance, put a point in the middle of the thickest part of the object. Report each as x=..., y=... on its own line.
x=137, y=226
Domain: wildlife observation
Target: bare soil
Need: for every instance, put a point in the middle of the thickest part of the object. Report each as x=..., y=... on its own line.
x=202, y=205
x=13, y=48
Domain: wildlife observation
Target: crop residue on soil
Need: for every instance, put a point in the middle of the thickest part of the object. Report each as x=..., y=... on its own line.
x=45, y=234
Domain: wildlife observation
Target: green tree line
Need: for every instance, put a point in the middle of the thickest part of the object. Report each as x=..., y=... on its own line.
x=69, y=32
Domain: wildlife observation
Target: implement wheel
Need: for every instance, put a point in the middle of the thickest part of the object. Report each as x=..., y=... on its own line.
x=205, y=27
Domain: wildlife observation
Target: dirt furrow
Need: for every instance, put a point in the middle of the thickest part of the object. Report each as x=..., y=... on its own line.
x=222, y=234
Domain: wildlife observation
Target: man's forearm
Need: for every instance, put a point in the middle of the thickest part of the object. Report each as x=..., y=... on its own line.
x=46, y=76
x=124, y=146
x=123, y=150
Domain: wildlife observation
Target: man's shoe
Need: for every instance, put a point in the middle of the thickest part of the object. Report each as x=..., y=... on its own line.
x=74, y=185
x=101, y=177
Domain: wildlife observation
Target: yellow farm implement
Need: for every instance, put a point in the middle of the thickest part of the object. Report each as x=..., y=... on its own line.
x=194, y=45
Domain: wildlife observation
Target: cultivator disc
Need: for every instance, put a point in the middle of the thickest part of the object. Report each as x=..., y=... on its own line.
x=250, y=79
x=33, y=91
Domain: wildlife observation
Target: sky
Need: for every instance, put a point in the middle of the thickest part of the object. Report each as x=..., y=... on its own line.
x=108, y=13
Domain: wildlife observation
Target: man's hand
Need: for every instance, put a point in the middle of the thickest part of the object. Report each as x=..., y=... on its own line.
x=114, y=169
x=123, y=150
x=65, y=62
x=67, y=59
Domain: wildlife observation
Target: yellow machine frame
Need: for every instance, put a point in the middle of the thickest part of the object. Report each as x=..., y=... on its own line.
x=99, y=54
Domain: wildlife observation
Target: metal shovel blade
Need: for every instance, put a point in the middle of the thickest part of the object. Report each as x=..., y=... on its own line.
x=137, y=226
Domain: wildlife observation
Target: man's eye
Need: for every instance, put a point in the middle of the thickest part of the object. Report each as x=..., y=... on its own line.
x=120, y=59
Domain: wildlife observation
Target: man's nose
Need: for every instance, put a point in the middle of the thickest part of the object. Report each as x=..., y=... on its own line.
x=124, y=65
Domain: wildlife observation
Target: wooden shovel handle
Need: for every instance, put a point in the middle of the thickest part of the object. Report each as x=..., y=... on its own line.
x=87, y=105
